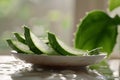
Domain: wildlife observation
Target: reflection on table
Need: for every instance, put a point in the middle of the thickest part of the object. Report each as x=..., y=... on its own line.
x=13, y=69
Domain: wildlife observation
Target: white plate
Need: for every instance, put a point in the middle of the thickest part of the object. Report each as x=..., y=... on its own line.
x=62, y=61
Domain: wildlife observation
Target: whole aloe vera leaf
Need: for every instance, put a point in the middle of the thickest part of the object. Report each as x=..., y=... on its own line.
x=97, y=29
x=113, y=4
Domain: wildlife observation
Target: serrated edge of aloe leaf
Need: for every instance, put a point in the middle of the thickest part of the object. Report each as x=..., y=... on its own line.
x=81, y=21
x=76, y=34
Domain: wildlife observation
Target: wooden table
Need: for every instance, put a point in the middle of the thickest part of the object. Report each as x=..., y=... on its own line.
x=13, y=69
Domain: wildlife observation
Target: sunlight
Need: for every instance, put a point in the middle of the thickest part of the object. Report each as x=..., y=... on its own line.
x=5, y=77
x=10, y=65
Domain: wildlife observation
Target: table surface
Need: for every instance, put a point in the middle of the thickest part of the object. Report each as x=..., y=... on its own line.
x=13, y=69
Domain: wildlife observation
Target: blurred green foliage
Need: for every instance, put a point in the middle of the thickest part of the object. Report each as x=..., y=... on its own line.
x=24, y=13
x=113, y=4
x=54, y=15
x=7, y=6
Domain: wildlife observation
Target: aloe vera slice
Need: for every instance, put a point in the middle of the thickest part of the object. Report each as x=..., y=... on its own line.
x=19, y=37
x=18, y=46
x=62, y=48
x=36, y=44
x=97, y=29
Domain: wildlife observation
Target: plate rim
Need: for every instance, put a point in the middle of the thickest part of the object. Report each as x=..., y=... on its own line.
x=59, y=61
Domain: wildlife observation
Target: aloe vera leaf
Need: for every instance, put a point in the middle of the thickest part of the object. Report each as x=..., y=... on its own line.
x=18, y=46
x=62, y=48
x=19, y=37
x=97, y=29
x=113, y=4
x=36, y=44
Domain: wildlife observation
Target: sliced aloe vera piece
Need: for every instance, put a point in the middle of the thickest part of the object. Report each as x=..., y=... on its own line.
x=18, y=46
x=62, y=48
x=19, y=37
x=36, y=44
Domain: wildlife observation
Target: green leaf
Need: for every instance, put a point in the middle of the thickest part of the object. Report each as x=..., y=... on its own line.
x=113, y=4
x=97, y=29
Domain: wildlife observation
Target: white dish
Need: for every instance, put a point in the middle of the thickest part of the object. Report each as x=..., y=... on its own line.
x=63, y=61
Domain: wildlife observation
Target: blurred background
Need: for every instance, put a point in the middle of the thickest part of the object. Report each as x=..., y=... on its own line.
x=58, y=16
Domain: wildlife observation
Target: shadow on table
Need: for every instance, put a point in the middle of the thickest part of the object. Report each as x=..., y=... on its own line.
x=67, y=73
